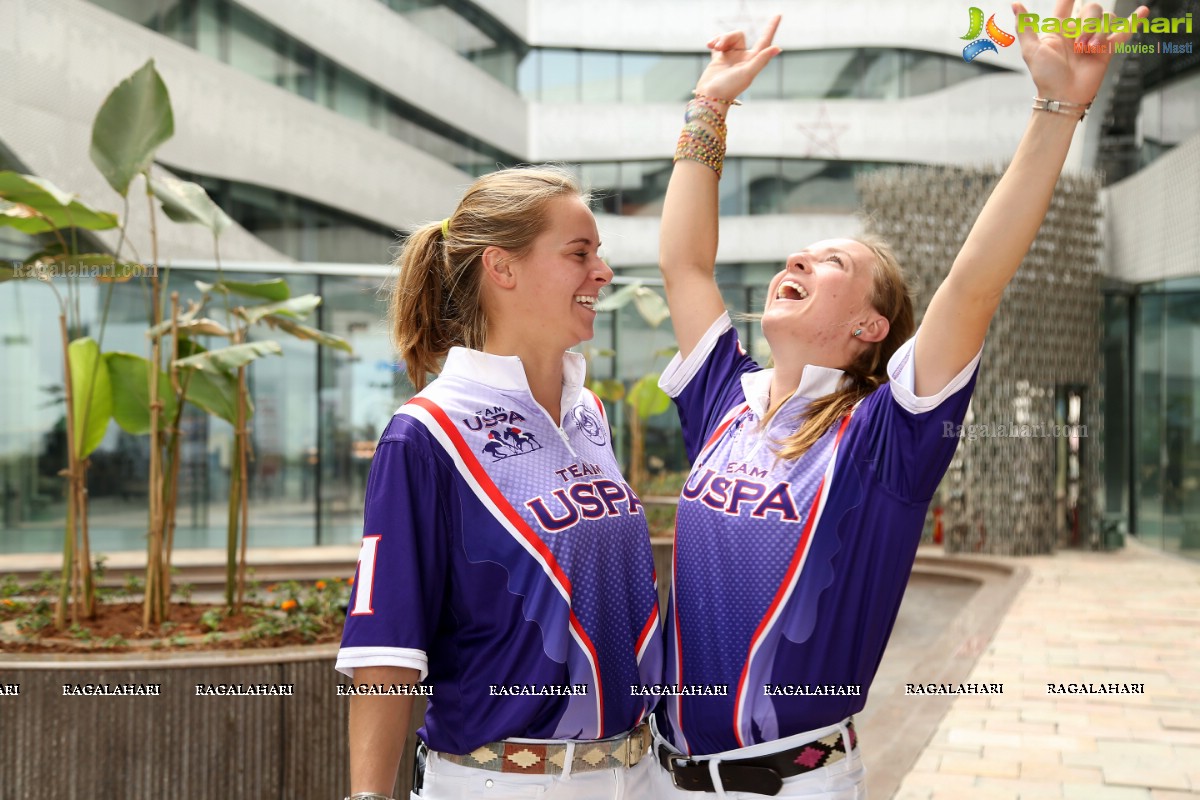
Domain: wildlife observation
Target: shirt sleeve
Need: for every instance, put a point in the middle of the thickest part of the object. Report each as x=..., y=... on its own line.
x=400, y=580
x=914, y=438
x=707, y=384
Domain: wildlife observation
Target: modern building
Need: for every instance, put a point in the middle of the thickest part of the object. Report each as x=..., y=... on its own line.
x=328, y=130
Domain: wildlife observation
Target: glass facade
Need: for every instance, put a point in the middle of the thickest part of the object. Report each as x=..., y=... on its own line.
x=316, y=417
x=318, y=412
x=468, y=30
x=1152, y=413
x=561, y=75
x=749, y=186
x=226, y=32
x=297, y=227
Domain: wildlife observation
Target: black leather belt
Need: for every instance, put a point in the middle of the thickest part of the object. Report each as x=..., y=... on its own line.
x=759, y=774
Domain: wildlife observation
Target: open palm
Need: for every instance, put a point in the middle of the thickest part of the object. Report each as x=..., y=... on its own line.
x=1057, y=70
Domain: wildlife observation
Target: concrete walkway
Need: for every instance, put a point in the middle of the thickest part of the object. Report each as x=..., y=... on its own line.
x=1129, y=617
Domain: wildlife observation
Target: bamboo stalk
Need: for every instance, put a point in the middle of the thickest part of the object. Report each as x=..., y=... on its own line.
x=152, y=609
x=64, y=588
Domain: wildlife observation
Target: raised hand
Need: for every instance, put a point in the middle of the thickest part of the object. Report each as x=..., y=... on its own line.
x=734, y=66
x=1057, y=70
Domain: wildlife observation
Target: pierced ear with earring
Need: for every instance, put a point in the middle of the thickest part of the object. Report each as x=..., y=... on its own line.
x=857, y=331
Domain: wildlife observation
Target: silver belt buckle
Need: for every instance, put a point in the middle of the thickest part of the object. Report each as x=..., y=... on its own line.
x=671, y=767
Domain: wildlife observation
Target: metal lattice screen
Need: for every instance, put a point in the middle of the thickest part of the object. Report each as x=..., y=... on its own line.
x=1025, y=480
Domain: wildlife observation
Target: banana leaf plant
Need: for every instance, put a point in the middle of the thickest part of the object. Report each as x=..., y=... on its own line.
x=36, y=206
x=141, y=395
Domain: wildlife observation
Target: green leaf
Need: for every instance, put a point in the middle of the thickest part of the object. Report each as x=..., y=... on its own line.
x=131, y=393
x=89, y=377
x=196, y=327
x=184, y=201
x=609, y=390
x=134, y=121
x=618, y=299
x=646, y=398
x=34, y=205
x=227, y=359
x=648, y=302
x=667, y=352
x=215, y=392
x=651, y=306
x=296, y=308
x=274, y=290
x=8, y=272
x=307, y=333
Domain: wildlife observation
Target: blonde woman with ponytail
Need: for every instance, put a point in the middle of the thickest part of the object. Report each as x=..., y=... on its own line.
x=505, y=570
x=798, y=525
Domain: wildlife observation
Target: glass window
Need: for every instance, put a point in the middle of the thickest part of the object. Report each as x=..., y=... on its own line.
x=818, y=186
x=1150, y=424
x=881, y=78
x=655, y=78
x=764, y=189
x=643, y=186
x=252, y=47
x=209, y=38
x=1181, y=420
x=359, y=392
x=284, y=423
x=1116, y=407
x=529, y=75
x=603, y=180
x=560, y=76
x=355, y=98
x=923, y=72
x=821, y=74
x=958, y=70
x=599, y=77
x=769, y=83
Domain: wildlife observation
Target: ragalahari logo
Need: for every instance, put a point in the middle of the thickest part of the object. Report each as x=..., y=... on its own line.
x=995, y=36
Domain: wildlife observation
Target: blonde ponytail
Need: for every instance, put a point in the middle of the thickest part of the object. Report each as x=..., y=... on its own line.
x=437, y=302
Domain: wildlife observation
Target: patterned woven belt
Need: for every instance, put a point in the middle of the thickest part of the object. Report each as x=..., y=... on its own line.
x=625, y=750
x=758, y=774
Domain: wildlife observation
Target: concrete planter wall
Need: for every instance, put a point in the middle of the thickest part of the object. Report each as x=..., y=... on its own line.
x=176, y=744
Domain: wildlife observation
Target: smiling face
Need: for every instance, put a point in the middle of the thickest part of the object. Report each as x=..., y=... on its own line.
x=818, y=300
x=555, y=284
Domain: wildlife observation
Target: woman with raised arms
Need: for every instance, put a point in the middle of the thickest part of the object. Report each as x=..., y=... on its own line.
x=800, y=520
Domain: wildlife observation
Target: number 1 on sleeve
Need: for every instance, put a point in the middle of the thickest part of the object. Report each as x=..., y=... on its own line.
x=364, y=581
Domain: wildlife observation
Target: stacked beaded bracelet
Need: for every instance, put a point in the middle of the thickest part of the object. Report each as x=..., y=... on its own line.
x=703, y=135
x=721, y=100
x=1061, y=107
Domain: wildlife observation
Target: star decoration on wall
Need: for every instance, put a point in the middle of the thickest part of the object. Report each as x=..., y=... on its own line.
x=753, y=25
x=822, y=134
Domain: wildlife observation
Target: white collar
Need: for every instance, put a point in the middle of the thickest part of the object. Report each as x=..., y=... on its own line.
x=507, y=373
x=814, y=382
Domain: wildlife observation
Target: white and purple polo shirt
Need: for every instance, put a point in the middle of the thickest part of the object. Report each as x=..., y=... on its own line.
x=790, y=573
x=500, y=550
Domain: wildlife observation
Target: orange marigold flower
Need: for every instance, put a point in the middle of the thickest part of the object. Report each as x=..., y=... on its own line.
x=272, y=587
x=288, y=605
x=8, y=602
x=320, y=584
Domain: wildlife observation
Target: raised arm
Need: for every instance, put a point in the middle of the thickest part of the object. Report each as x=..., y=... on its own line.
x=962, y=308
x=688, y=241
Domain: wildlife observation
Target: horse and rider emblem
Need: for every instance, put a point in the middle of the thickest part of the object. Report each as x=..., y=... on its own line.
x=512, y=442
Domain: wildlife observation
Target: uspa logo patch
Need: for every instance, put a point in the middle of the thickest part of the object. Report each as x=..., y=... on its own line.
x=995, y=36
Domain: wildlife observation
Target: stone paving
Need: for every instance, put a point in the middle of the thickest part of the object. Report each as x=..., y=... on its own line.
x=1129, y=617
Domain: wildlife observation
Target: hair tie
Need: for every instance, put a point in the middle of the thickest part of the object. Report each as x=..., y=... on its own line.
x=446, y=228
